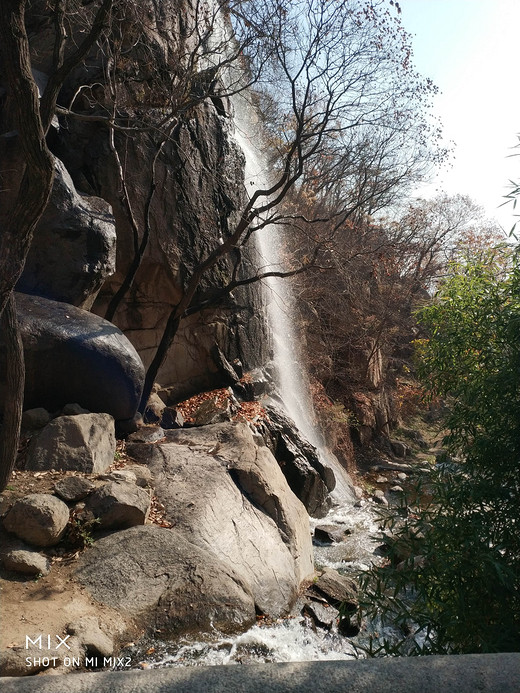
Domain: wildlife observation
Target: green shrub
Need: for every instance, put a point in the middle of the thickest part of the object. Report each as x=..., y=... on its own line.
x=458, y=589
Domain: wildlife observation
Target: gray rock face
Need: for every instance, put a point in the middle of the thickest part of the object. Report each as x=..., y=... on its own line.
x=27, y=561
x=74, y=356
x=165, y=581
x=73, y=249
x=119, y=504
x=84, y=443
x=224, y=493
x=39, y=519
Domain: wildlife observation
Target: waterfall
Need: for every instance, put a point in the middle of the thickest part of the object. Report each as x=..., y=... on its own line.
x=291, y=374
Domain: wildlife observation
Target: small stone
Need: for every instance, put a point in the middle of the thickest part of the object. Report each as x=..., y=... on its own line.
x=379, y=497
x=73, y=488
x=402, y=476
x=120, y=475
x=396, y=489
x=399, y=448
x=39, y=519
x=381, y=480
x=143, y=475
x=35, y=418
x=26, y=561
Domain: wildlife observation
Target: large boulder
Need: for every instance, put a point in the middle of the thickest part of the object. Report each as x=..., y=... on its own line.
x=74, y=246
x=230, y=498
x=74, y=356
x=84, y=443
x=39, y=519
x=160, y=578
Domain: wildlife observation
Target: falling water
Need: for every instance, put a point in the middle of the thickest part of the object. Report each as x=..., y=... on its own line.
x=293, y=381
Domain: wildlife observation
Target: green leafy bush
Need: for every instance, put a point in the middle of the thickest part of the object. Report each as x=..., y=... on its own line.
x=456, y=589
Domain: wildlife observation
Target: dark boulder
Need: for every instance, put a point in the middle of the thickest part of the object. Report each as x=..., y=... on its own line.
x=74, y=356
x=73, y=249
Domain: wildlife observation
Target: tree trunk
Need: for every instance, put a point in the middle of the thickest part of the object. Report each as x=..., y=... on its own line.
x=13, y=403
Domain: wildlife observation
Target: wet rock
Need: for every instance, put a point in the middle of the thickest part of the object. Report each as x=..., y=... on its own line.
x=119, y=504
x=39, y=519
x=165, y=581
x=33, y=419
x=26, y=560
x=78, y=228
x=90, y=636
x=74, y=356
x=337, y=589
x=322, y=615
x=84, y=443
x=310, y=479
x=327, y=534
x=73, y=488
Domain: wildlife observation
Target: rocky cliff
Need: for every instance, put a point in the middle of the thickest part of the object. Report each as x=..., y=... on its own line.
x=165, y=185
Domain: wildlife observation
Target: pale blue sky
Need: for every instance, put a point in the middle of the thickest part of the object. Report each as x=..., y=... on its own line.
x=470, y=48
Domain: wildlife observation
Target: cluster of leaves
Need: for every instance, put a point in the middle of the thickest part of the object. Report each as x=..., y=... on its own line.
x=457, y=588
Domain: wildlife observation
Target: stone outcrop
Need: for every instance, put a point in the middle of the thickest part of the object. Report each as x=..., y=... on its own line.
x=229, y=497
x=73, y=248
x=39, y=519
x=74, y=356
x=159, y=577
x=84, y=443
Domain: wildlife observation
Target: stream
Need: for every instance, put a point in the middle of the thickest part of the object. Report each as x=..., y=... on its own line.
x=291, y=639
